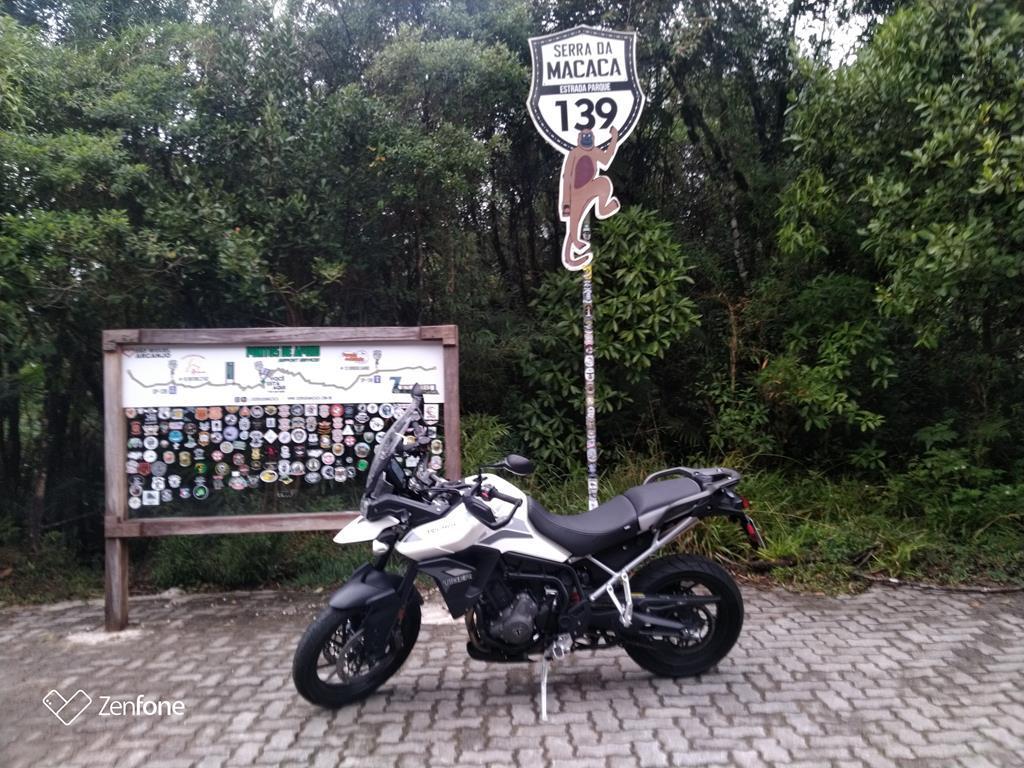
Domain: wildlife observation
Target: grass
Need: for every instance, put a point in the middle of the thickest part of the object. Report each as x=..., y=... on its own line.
x=51, y=572
x=821, y=534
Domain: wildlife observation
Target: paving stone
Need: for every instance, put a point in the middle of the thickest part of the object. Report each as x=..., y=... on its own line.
x=884, y=678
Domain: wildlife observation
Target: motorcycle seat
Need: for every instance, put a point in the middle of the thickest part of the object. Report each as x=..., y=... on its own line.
x=617, y=520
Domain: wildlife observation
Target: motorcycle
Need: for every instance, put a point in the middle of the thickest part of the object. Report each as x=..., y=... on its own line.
x=526, y=581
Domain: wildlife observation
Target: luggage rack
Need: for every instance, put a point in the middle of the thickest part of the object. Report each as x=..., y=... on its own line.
x=708, y=478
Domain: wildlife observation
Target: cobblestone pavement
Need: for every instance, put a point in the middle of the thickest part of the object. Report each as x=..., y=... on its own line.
x=889, y=677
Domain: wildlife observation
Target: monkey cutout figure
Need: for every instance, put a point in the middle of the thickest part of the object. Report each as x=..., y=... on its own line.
x=583, y=188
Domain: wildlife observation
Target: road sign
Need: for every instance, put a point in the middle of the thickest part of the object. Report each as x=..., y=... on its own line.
x=585, y=99
x=584, y=79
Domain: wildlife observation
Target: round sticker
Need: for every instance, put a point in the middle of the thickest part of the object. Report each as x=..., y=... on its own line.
x=327, y=459
x=131, y=413
x=200, y=492
x=362, y=450
x=230, y=419
x=362, y=464
x=174, y=481
x=185, y=492
x=237, y=482
x=270, y=410
x=221, y=469
x=313, y=465
x=312, y=477
x=336, y=411
x=230, y=433
x=169, y=457
x=150, y=442
x=176, y=436
x=372, y=408
x=385, y=410
x=435, y=463
x=436, y=446
x=285, y=438
x=166, y=495
x=268, y=476
x=327, y=473
x=185, y=459
x=202, y=413
x=134, y=502
x=201, y=467
x=297, y=468
x=337, y=449
x=299, y=435
x=227, y=446
x=376, y=423
x=256, y=411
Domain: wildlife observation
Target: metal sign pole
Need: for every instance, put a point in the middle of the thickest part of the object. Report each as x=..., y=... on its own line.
x=589, y=377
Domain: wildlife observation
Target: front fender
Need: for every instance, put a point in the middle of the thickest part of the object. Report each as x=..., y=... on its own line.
x=379, y=593
x=369, y=586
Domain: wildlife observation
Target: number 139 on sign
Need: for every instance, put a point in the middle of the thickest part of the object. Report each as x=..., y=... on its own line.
x=588, y=111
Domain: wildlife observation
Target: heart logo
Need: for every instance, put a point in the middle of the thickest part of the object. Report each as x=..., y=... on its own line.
x=67, y=710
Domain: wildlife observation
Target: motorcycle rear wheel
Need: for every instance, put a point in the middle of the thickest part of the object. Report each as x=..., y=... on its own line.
x=714, y=628
x=336, y=634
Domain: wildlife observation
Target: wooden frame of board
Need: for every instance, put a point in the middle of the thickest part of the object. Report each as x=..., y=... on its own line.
x=119, y=526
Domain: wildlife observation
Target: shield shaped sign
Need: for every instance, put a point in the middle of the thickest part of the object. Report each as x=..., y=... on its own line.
x=584, y=79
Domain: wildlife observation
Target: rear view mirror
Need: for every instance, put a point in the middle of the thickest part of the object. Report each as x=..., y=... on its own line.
x=517, y=465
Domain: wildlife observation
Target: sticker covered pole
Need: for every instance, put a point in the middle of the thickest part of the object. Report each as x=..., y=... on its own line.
x=589, y=376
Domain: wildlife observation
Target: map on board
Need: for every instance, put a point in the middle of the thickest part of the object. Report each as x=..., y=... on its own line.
x=189, y=375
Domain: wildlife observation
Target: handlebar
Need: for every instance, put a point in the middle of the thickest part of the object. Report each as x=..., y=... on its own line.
x=494, y=493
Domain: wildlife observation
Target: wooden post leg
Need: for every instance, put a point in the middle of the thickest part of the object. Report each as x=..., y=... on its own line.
x=116, y=584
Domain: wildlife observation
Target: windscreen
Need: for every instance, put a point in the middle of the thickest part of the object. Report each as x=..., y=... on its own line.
x=386, y=447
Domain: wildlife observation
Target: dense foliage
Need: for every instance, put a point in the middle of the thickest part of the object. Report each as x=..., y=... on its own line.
x=817, y=266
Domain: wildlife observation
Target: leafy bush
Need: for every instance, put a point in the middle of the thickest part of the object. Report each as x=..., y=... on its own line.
x=640, y=311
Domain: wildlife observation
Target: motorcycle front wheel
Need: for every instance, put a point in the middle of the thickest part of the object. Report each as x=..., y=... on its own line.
x=712, y=629
x=333, y=667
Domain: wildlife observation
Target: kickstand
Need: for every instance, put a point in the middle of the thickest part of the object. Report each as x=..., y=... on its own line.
x=544, y=664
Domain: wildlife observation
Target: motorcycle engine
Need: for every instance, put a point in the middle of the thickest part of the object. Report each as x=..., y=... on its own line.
x=514, y=624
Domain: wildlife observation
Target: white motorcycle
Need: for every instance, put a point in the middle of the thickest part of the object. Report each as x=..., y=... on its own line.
x=527, y=581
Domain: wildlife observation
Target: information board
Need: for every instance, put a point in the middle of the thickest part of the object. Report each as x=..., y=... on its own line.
x=247, y=430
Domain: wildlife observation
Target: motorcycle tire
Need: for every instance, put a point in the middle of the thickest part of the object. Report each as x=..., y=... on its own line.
x=320, y=639
x=681, y=573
